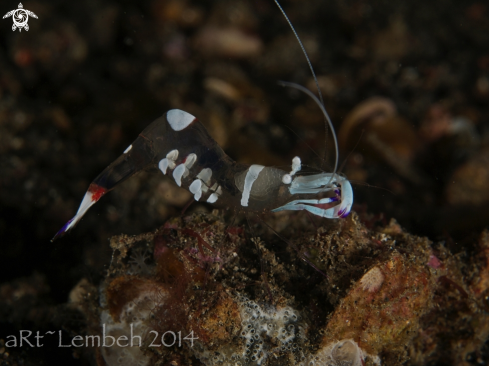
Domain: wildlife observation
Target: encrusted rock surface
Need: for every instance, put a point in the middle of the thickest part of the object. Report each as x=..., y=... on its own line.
x=340, y=294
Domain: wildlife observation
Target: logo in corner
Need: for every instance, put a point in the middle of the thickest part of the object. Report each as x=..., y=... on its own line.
x=20, y=17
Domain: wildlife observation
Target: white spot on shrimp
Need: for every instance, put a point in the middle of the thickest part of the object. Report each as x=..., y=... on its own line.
x=212, y=198
x=205, y=175
x=250, y=178
x=178, y=173
x=163, y=165
x=196, y=189
x=296, y=165
x=178, y=119
x=169, y=161
x=372, y=280
x=215, y=195
x=287, y=179
x=172, y=155
x=128, y=149
x=190, y=160
x=182, y=170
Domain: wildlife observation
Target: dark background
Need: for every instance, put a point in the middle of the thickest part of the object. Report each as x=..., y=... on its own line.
x=88, y=76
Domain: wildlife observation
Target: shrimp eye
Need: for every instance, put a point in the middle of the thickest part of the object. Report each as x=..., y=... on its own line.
x=287, y=179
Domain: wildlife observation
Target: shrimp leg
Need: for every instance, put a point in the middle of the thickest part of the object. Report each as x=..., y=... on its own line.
x=319, y=207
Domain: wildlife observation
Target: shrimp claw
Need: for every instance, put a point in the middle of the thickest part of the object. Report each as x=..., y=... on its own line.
x=321, y=207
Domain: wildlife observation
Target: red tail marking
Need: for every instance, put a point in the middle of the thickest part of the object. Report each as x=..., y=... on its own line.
x=96, y=191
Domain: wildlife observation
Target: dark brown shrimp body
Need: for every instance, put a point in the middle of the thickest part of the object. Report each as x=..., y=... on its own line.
x=217, y=172
x=182, y=148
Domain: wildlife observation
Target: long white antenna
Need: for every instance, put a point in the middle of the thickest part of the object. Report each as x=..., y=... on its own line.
x=321, y=101
x=325, y=113
x=303, y=50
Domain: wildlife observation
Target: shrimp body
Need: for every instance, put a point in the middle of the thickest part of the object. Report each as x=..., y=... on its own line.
x=182, y=148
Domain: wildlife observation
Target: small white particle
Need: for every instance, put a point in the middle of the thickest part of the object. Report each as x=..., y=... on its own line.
x=128, y=149
x=179, y=119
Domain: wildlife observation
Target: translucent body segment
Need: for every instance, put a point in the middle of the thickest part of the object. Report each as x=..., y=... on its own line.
x=265, y=184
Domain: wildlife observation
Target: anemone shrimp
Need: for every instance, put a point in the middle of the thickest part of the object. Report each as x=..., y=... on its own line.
x=180, y=146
